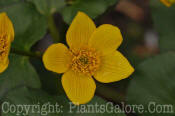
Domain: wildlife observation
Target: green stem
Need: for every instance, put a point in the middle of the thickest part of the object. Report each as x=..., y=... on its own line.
x=53, y=29
x=26, y=53
x=109, y=93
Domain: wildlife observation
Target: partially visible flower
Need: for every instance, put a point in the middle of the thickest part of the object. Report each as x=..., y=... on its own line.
x=6, y=37
x=92, y=52
x=168, y=3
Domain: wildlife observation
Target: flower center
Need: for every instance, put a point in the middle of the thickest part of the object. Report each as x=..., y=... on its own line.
x=85, y=61
x=3, y=46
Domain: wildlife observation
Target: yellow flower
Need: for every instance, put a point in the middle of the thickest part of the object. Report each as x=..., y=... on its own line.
x=168, y=3
x=92, y=52
x=6, y=37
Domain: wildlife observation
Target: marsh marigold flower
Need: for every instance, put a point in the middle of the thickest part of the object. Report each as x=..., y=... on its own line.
x=6, y=37
x=91, y=52
x=168, y=3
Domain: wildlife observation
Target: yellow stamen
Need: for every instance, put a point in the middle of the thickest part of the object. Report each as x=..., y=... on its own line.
x=3, y=46
x=85, y=61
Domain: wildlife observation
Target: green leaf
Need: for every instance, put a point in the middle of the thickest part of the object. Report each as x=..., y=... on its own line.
x=92, y=8
x=29, y=25
x=27, y=96
x=19, y=73
x=48, y=7
x=51, y=82
x=163, y=19
x=153, y=82
x=3, y=3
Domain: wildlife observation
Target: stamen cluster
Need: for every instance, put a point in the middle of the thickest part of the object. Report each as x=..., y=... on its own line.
x=85, y=61
x=3, y=46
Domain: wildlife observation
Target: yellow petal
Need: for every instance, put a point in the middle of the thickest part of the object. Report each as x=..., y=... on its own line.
x=6, y=26
x=106, y=39
x=4, y=65
x=79, y=88
x=57, y=58
x=80, y=31
x=114, y=67
x=168, y=3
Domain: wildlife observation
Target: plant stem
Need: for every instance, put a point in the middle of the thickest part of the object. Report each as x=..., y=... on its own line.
x=53, y=29
x=26, y=53
x=109, y=93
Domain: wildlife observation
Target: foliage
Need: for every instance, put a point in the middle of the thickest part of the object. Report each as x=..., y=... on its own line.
x=163, y=18
x=92, y=8
x=48, y=7
x=155, y=83
x=26, y=22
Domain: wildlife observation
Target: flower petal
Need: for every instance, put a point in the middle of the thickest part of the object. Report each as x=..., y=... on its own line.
x=106, y=39
x=79, y=88
x=57, y=58
x=6, y=26
x=166, y=2
x=114, y=67
x=80, y=31
x=4, y=65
